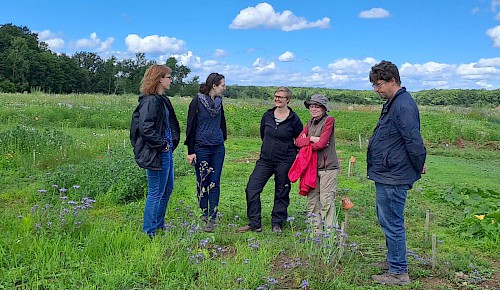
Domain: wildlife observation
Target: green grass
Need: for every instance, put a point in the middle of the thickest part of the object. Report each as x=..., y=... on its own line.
x=108, y=251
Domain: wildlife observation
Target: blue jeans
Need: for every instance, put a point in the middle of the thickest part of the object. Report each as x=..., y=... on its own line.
x=391, y=201
x=160, y=186
x=209, y=161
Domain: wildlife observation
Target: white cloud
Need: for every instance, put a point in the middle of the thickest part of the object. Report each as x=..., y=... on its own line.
x=317, y=69
x=352, y=66
x=471, y=71
x=494, y=34
x=154, y=44
x=497, y=17
x=429, y=70
x=487, y=62
x=485, y=85
x=95, y=43
x=264, y=16
x=339, y=78
x=220, y=53
x=187, y=59
x=286, y=56
x=261, y=65
x=53, y=41
x=374, y=13
x=475, y=10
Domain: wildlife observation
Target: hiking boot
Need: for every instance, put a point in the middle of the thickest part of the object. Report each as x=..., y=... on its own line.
x=248, y=228
x=392, y=279
x=277, y=229
x=209, y=227
x=381, y=265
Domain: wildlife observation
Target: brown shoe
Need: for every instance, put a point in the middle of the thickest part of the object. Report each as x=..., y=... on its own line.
x=277, y=229
x=209, y=227
x=381, y=265
x=248, y=228
x=392, y=279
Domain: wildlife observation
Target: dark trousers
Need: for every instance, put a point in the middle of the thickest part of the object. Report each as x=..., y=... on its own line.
x=209, y=162
x=261, y=173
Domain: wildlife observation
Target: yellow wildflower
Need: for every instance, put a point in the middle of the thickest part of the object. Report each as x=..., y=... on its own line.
x=480, y=217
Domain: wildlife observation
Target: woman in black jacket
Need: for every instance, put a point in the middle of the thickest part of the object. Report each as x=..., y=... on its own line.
x=154, y=134
x=278, y=129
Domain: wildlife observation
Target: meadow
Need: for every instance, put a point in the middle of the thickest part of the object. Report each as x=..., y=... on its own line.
x=71, y=204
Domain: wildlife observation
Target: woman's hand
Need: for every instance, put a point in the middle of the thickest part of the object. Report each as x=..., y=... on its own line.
x=191, y=159
x=314, y=139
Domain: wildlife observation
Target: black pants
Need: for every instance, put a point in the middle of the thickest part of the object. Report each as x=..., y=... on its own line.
x=261, y=173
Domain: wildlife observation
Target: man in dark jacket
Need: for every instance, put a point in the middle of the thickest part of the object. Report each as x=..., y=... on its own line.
x=395, y=158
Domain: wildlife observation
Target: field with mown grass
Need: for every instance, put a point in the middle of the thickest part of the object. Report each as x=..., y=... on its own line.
x=71, y=204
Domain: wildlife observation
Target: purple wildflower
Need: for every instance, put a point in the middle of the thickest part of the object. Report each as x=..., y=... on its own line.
x=42, y=190
x=304, y=284
x=290, y=218
x=76, y=186
x=63, y=190
x=20, y=216
x=246, y=261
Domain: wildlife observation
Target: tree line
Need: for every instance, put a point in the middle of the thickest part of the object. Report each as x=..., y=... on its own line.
x=28, y=65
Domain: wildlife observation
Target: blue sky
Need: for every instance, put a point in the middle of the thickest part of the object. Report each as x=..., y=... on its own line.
x=439, y=44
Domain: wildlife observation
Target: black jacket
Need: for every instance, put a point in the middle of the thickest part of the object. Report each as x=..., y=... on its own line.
x=396, y=152
x=278, y=140
x=147, y=130
x=192, y=124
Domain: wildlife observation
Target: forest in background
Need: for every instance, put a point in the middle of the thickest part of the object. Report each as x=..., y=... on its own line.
x=28, y=65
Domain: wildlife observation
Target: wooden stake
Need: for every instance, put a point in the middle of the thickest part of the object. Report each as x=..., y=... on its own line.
x=34, y=158
x=359, y=137
x=342, y=240
x=349, y=170
x=109, y=150
x=346, y=212
x=427, y=224
x=434, y=251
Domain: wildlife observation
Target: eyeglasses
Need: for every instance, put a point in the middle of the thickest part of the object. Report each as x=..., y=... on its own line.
x=280, y=97
x=379, y=85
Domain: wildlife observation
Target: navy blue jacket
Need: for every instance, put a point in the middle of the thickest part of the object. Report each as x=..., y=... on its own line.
x=147, y=130
x=192, y=124
x=278, y=140
x=396, y=152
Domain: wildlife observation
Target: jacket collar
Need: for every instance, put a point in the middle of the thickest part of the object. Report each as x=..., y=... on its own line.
x=387, y=105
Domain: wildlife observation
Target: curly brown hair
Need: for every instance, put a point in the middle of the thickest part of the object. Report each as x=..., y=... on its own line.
x=151, y=79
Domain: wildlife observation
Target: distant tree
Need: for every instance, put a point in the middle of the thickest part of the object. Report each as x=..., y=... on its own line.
x=180, y=86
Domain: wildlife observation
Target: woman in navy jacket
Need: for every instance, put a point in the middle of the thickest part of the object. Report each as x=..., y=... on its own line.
x=205, y=136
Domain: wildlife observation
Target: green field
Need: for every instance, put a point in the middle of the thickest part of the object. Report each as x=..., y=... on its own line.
x=71, y=202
